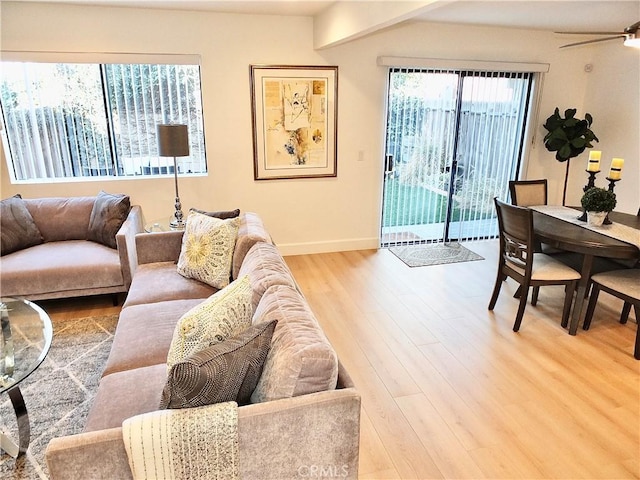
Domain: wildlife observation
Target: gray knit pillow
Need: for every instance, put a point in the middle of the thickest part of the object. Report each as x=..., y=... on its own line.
x=17, y=228
x=227, y=371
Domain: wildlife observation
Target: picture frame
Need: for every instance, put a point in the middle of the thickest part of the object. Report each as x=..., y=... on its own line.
x=294, y=113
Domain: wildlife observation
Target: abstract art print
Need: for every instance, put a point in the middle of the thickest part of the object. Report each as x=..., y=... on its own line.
x=294, y=117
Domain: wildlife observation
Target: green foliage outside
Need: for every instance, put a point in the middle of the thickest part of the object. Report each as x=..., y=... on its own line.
x=398, y=196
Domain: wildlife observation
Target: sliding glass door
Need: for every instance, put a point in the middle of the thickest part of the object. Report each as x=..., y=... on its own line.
x=454, y=140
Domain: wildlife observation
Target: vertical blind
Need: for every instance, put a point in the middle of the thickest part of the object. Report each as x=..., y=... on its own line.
x=454, y=139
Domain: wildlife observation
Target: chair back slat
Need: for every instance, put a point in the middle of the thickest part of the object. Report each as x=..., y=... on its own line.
x=525, y=193
x=516, y=234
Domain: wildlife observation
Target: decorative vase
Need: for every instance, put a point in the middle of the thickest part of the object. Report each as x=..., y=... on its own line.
x=595, y=219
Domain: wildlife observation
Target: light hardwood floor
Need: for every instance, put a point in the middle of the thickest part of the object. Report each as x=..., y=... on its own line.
x=449, y=390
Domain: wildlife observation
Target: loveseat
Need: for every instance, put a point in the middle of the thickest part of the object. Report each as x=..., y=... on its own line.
x=303, y=419
x=68, y=247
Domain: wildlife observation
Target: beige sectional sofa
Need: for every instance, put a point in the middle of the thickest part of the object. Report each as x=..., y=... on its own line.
x=66, y=254
x=304, y=416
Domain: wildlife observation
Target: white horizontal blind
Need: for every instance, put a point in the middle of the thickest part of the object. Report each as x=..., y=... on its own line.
x=438, y=115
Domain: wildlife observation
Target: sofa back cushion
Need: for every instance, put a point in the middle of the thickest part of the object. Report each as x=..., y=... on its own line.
x=61, y=218
x=301, y=359
x=265, y=267
x=250, y=231
x=17, y=227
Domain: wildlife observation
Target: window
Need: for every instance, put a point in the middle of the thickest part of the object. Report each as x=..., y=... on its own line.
x=70, y=120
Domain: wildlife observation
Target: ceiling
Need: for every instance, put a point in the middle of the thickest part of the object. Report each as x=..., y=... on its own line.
x=550, y=15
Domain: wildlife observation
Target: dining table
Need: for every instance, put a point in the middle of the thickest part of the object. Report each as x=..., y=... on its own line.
x=559, y=227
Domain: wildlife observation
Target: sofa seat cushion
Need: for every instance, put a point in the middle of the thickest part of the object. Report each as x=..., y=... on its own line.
x=144, y=334
x=160, y=282
x=124, y=394
x=265, y=267
x=59, y=267
x=301, y=359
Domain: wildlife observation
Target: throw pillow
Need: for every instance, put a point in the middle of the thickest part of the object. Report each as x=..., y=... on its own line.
x=222, y=315
x=107, y=216
x=222, y=214
x=227, y=371
x=17, y=228
x=207, y=249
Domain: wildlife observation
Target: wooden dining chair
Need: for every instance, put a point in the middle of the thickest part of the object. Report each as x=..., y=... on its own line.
x=525, y=193
x=519, y=261
x=624, y=284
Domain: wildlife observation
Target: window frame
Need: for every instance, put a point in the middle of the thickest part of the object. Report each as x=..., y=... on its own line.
x=162, y=166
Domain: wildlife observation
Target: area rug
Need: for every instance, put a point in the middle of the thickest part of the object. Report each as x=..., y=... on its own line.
x=59, y=393
x=434, y=254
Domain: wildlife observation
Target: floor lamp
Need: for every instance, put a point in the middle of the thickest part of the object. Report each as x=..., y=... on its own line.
x=173, y=141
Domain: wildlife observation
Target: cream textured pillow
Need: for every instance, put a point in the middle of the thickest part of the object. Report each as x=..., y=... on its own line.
x=207, y=249
x=224, y=314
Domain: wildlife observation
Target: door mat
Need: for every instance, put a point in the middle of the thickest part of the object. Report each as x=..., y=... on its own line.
x=434, y=254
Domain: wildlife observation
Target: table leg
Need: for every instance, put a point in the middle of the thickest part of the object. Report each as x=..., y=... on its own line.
x=578, y=303
x=24, y=429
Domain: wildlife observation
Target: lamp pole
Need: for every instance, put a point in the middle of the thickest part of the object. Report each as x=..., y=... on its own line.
x=173, y=141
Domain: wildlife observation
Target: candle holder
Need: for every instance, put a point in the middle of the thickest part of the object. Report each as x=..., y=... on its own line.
x=612, y=184
x=590, y=184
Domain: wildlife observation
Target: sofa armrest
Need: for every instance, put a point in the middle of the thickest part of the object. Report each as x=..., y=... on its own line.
x=159, y=247
x=125, y=242
x=89, y=456
x=310, y=436
x=290, y=438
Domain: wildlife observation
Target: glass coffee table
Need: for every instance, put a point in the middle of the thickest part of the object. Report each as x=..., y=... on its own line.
x=25, y=338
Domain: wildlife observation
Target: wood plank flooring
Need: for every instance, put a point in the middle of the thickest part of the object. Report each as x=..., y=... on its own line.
x=449, y=390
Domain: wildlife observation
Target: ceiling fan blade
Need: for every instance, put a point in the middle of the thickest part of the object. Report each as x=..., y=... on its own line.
x=633, y=28
x=591, y=33
x=592, y=41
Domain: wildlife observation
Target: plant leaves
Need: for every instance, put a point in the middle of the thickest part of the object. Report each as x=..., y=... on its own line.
x=565, y=151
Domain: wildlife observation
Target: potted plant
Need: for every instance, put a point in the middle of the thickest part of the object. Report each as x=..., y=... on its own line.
x=568, y=137
x=597, y=202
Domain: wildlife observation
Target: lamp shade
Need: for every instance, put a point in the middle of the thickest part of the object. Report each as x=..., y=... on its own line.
x=173, y=140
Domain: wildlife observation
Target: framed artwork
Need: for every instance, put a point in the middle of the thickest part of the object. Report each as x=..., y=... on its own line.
x=294, y=117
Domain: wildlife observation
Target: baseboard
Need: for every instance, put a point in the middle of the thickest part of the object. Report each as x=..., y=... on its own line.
x=327, y=247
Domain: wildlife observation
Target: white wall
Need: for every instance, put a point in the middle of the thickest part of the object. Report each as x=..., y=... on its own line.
x=307, y=215
x=617, y=117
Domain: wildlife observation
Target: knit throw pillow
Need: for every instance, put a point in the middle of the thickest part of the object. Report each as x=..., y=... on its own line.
x=226, y=371
x=207, y=249
x=224, y=314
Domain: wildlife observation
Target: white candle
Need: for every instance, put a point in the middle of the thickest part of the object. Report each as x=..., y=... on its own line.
x=594, y=161
x=615, y=173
